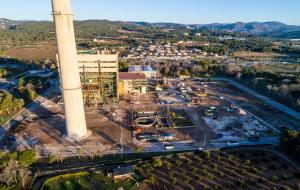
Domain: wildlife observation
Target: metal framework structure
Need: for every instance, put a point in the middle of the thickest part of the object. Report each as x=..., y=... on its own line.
x=99, y=78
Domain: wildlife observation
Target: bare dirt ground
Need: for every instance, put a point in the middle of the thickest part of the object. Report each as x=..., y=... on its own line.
x=33, y=52
x=248, y=54
x=268, y=113
x=46, y=133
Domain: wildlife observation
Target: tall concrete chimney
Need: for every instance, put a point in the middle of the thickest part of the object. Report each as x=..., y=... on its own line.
x=69, y=71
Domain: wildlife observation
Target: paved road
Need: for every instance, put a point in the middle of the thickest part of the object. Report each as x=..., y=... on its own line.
x=267, y=100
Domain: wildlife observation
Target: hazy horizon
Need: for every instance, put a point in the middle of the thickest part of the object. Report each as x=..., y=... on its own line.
x=168, y=11
x=136, y=21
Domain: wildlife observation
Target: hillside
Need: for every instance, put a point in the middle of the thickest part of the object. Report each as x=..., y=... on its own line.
x=23, y=32
x=266, y=29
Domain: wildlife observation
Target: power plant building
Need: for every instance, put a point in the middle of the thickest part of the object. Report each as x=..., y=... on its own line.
x=99, y=75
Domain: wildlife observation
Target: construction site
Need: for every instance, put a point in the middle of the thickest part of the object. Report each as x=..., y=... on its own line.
x=182, y=114
x=101, y=111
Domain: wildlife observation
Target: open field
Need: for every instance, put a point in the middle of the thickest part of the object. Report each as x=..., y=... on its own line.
x=283, y=68
x=249, y=54
x=236, y=169
x=85, y=181
x=33, y=52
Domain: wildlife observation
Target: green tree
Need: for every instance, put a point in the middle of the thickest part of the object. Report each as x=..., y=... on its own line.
x=27, y=157
x=21, y=83
x=205, y=65
x=156, y=162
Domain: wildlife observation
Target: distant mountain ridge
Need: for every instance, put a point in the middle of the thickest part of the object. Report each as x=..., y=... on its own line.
x=6, y=23
x=265, y=29
x=251, y=27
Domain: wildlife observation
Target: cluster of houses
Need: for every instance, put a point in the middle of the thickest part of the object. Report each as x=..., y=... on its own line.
x=161, y=50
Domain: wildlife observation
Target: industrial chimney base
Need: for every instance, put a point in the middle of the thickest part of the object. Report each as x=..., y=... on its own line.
x=76, y=138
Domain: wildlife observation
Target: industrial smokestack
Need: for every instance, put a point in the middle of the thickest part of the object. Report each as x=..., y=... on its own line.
x=69, y=71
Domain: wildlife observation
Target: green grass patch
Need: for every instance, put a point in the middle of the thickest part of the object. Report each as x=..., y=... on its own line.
x=5, y=117
x=85, y=181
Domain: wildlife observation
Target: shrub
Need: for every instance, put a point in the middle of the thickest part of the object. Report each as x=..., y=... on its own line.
x=173, y=180
x=243, y=171
x=186, y=179
x=168, y=165
x=194, y=170
x=274, y=178
x=206, y=155
x=263, y=169
x=152, y=179
x=215, y=166
x=210, y=177
x=247, y=162
x=189, y=162
x=221, y=174
x=232, y=172
x=205, y=168
x=200, y=161
x=236, y=164
x=230, y=157
x=253, y=170
x=156, y=162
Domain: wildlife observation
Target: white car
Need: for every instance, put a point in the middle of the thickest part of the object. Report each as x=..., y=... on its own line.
x=233, y=143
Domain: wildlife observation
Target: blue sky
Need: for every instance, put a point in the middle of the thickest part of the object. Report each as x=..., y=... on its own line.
x=180, y=11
